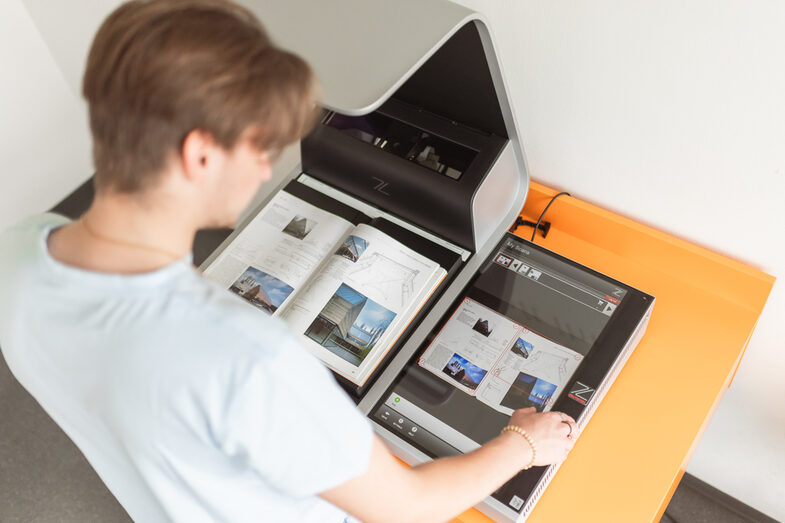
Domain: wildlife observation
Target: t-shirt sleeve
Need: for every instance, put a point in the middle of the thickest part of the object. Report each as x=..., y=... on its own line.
x=296, y=427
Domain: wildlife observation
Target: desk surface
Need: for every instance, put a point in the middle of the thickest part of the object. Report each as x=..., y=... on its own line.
x=632, y=454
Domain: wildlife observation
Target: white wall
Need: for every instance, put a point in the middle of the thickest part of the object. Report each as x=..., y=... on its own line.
x=44, y=140
x=44, y=134
x=668, y=112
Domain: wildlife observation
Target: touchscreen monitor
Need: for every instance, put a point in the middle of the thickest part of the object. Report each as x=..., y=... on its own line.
x=532, y=329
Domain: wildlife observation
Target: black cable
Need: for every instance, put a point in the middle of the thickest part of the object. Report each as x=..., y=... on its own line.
x=534, y=232
x=544, y=227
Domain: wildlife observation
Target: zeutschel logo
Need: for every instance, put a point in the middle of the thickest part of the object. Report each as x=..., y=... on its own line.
x=381, y=186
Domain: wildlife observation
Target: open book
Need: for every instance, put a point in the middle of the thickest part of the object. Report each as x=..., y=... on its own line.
x=500, y=362
x=349, y=290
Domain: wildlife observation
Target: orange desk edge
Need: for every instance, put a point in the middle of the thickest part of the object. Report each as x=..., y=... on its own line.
x=633, y=453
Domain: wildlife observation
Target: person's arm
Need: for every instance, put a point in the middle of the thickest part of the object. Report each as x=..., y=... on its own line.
x=443, y=488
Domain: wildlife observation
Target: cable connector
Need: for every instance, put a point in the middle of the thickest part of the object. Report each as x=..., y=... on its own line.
x=543, y=227
x=540, y=225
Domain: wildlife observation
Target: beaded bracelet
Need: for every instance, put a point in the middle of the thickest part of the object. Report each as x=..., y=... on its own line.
x=529, y=440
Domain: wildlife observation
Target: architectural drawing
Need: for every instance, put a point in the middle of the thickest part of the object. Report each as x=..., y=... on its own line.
x=391, y=279
x=548, y=366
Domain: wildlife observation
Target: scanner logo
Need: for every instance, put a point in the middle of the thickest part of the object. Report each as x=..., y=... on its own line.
x=381, y=186
x=581, y=393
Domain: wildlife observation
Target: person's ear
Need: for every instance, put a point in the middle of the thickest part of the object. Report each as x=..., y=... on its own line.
x=200, y=155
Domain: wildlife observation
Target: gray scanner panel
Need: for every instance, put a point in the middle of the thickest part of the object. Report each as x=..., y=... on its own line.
x=362, y=51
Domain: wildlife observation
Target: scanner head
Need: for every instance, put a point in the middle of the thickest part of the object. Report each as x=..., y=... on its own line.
x=431, y=66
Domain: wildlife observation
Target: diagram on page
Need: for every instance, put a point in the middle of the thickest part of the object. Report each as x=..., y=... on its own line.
x=392, y=279
x=531, y=374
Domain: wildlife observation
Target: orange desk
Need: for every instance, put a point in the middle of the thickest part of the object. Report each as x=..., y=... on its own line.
x=632, y=455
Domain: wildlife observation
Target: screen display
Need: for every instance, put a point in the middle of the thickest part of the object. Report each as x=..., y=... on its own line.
x=513, y=340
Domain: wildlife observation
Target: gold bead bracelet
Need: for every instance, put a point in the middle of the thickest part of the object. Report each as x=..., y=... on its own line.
x=529, y=440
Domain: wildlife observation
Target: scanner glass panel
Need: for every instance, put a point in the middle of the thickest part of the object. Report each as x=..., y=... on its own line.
x=406, y=141
x=514, y=339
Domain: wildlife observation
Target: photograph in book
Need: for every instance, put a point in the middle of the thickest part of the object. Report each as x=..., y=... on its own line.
x=522, y=348
x=483, y=326
x=352, y=248
x=261, y=290
x=529, y=391
x=299, y=227
x=464, y=372
x=349, y=325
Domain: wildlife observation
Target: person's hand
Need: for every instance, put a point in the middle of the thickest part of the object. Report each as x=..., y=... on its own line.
x=554, y=433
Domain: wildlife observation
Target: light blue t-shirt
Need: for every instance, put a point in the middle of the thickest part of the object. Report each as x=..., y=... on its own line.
x=190, y=404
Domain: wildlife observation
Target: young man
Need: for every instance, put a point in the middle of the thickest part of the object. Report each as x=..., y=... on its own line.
x=189, y=404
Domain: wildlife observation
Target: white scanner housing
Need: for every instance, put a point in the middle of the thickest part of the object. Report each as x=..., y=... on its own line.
x=433, y=59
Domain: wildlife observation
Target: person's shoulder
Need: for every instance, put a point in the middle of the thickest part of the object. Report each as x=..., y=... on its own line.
x=249, y=342
x=31, y=227
x=20, y=243
x=232, y=351
x=36, y=223
x=244, y=327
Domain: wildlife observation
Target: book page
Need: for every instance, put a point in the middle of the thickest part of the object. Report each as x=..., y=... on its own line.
x=361, y=300
x=469, y=345
x=278, y=251
x=532, y=373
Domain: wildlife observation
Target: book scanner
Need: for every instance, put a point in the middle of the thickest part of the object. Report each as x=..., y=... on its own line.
x=419, y=137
